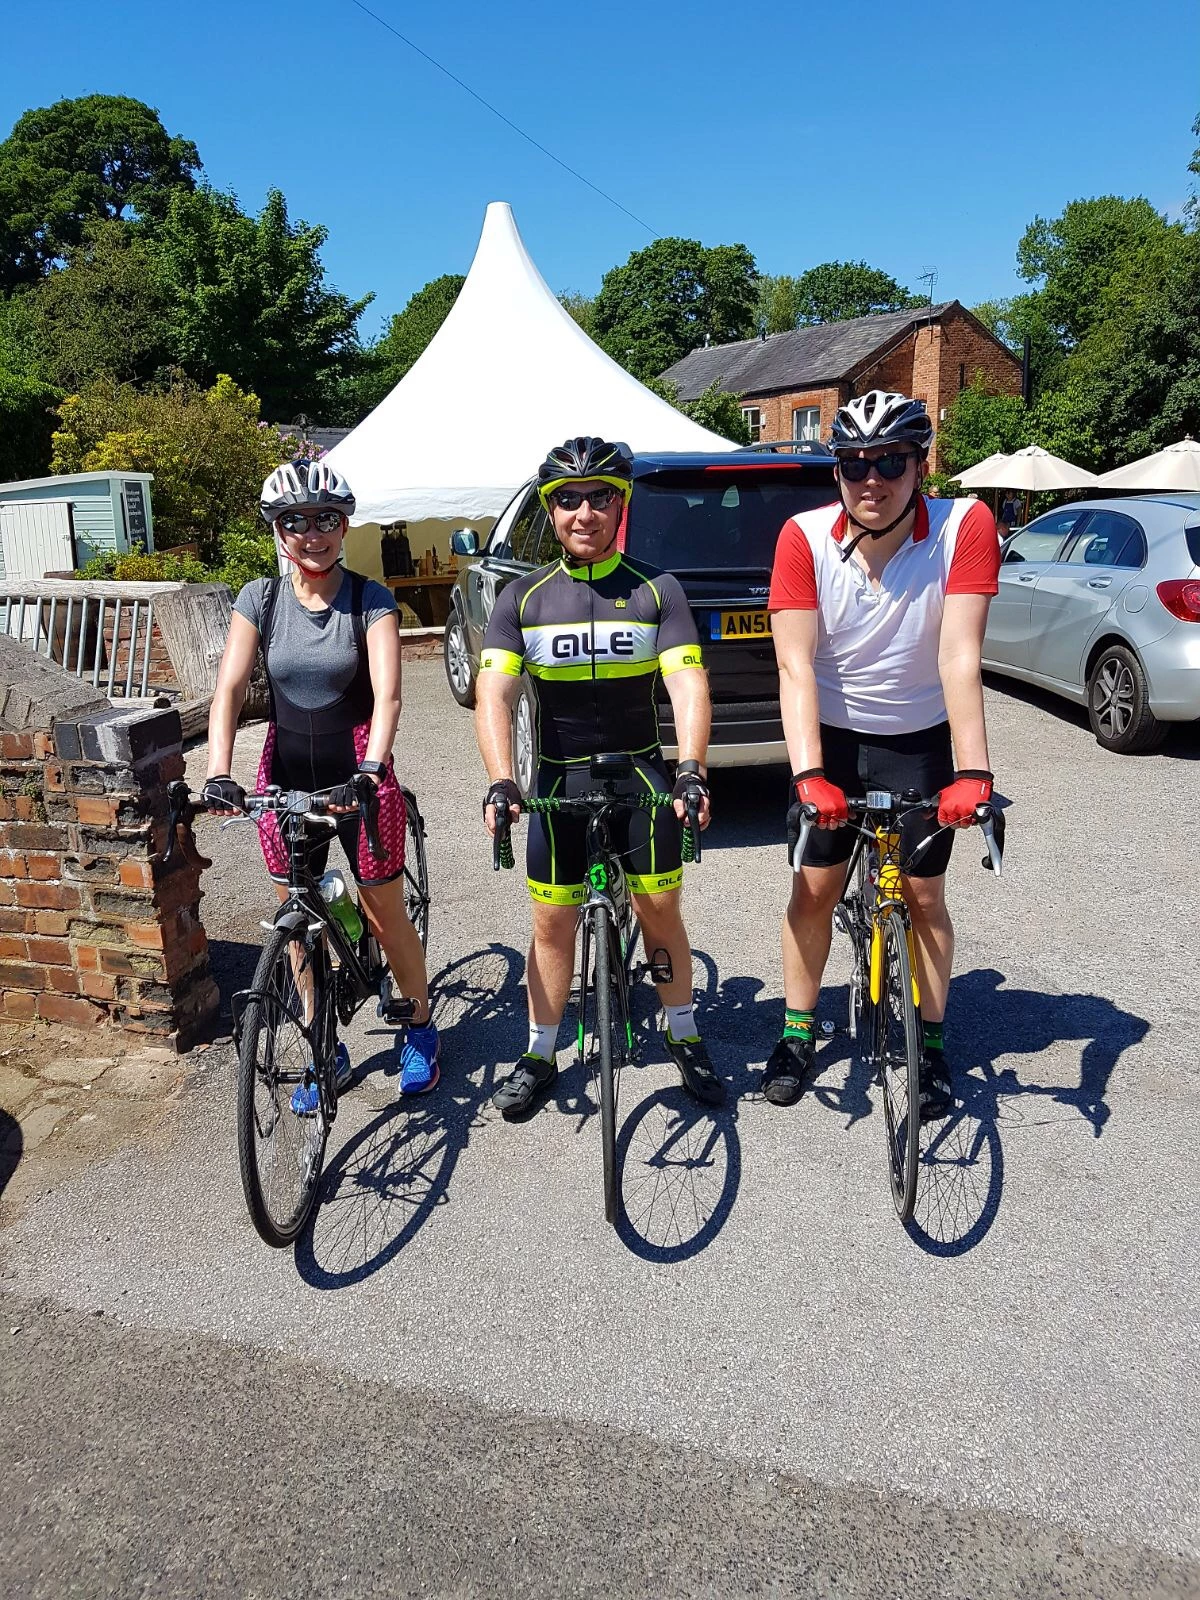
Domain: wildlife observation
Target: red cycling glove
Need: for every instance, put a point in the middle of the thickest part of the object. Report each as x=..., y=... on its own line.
x=957, y=802
x=812, y=788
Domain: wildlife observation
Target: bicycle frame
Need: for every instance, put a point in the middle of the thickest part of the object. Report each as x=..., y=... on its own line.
x=888, y=900
x=604, y=870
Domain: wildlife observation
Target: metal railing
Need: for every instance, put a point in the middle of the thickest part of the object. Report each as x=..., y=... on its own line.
x=87, y=627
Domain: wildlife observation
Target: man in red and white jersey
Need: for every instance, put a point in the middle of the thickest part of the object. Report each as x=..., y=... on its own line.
x=879, y=605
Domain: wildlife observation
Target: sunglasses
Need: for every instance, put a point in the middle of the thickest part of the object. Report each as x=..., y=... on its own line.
x=295, y=522
x=892, y=466
x=572, y=499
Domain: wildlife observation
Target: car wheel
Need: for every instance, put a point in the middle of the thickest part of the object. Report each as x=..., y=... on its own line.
x=1119, y=704
x=525, y=752
x=457, y=656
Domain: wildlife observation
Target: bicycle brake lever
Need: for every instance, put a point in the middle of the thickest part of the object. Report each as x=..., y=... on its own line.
x=993, y=837
x=808, y=818
x=692, y=806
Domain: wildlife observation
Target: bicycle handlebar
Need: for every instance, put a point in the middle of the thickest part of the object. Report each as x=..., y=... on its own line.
x=988, y=818
x=587, y=806
x=312, y=805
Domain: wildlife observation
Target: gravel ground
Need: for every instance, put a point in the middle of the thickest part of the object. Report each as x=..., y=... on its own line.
x=1025, y=1350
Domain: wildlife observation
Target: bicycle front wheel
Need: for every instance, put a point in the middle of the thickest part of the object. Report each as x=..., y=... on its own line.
x=898, y=1058
x=607, y=1056
x=279, y=1151
x=416, y=869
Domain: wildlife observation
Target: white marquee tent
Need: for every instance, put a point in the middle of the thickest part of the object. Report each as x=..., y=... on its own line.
x=508, y=374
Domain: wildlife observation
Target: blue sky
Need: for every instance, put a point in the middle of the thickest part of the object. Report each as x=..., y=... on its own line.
x=778, y=134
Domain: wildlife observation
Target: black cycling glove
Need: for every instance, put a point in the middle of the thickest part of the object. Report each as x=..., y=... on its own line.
x=692, y=784
x=502, y=794
x=360, y=790
x=222, y=794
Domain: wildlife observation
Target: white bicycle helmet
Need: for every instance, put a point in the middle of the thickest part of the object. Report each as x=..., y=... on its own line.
x=297, y=485
x=881, y=417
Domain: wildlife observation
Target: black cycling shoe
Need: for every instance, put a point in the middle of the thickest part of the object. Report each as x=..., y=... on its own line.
x=937, y=1095
x=525, y=1085
x=696, y=1070
x=783, y=1075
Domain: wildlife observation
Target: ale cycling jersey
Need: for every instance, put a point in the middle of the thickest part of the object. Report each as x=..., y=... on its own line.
x=593, y=639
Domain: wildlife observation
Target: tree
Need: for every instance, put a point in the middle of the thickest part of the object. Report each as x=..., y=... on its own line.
x=208, y=450
x=778, y=304
x=250, y=299
x=581, y=308
x=668, y=297
x=838, y=290
x=715, y=408
x=102, y=157
x=107, y=313
x=979, y=423
x=27, y=421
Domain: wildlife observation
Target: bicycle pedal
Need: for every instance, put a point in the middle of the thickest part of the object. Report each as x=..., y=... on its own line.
x=398, y=1013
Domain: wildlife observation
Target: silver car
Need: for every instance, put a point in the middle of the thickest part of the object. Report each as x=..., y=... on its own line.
x=1100, y=602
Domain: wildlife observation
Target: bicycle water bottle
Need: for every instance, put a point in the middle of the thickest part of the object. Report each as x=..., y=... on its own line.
x=341, y=904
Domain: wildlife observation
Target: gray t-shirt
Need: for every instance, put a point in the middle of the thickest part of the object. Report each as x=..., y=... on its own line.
x=313, y=654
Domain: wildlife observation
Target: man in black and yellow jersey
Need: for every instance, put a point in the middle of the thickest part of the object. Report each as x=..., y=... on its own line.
x=594, y=630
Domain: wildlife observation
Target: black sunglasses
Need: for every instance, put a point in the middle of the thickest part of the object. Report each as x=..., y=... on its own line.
x=892, y=466
x=323, y=521
x=572, y=499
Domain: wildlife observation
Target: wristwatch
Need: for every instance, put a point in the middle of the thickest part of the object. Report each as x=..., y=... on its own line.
x=374, y=769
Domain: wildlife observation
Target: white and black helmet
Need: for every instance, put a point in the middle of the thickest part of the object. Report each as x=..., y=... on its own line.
x=300, y=484
x=881, y=417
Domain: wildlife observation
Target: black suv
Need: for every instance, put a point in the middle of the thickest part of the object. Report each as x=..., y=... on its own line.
x=713, y=521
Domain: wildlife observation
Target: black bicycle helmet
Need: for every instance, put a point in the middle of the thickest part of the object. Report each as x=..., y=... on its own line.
x=881, y=417
x=586, y=457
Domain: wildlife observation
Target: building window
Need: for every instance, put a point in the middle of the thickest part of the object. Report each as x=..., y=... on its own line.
x=962, y=376
x=753, y=418
x=806, y=423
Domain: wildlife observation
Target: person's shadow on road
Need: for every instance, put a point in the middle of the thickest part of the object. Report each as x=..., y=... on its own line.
x=387, y=1180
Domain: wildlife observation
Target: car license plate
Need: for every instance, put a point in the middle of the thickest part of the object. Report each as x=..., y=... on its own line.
x=740, y=625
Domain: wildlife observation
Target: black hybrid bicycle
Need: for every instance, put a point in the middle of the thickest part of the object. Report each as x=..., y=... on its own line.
x=885, y=998
x=609, y=932
x=311, y=976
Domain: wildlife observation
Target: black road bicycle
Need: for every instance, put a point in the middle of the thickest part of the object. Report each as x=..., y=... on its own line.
x=609, y=932
x=310, y=977
x=885, y=998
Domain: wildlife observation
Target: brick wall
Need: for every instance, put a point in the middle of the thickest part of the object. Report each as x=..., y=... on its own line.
x=93, y=928
x=777, y=409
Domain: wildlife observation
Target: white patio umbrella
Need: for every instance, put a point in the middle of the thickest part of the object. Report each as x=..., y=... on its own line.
x=979, y=476
x=1032, y=469
x=1176, y=467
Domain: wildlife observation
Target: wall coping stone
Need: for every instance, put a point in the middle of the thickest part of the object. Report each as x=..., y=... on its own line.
x=34, y=691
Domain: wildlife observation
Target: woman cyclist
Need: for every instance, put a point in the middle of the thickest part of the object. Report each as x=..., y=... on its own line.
x=331, y=652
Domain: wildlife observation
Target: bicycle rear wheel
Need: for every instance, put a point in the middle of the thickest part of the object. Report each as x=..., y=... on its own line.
x=608, y=1055
x=416, y=869
x=898, y=1057
x=280, y=1153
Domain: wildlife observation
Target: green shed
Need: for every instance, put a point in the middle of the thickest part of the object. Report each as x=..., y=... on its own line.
x=108, y=510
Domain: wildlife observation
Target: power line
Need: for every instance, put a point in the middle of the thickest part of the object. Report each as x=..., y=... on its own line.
x=496, y=112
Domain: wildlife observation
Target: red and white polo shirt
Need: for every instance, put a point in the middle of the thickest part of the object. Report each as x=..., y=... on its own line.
x=877, y=649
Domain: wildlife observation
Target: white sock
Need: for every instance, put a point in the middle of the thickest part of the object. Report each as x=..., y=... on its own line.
x=681, y=1022
x=543, y=1040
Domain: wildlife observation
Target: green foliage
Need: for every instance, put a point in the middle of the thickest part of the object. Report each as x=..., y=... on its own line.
x=247, y=551
x=778, y=304
x=713, y=409
x=207, y=449
x=581, y=308
x=105, y=314
x=979, y=424
x=250, y=300
x=407, y=337
x=664, y=300
x=27, y=422
x=838, y=290
x=102, y=157
x=140, y=566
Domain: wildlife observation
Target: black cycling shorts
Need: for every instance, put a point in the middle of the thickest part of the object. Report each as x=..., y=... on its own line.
x=650, y=843
x=857, y=762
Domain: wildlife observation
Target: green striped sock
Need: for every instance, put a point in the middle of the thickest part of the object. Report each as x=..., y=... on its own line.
x=933, y=1035
x=798, y=1024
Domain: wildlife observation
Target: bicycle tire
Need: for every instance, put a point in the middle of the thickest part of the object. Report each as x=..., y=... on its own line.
x=858, y=923
x=274, y=1057
x=608, y=1052
x=898, y=1062
x=416, y=869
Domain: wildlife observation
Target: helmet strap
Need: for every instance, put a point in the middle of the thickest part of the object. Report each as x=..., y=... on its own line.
x=309, y=572
x=874, y=533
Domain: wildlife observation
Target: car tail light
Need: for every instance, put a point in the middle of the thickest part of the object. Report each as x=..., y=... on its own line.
x=1181, y=596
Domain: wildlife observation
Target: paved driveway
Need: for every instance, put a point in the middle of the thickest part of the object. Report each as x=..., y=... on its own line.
x=1004, y=1392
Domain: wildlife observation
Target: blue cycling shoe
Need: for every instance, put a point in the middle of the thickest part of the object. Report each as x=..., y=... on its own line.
x=305, y=1098
x=419, y=1070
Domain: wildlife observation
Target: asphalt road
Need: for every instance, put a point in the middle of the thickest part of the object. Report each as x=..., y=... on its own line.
x=762, y=1384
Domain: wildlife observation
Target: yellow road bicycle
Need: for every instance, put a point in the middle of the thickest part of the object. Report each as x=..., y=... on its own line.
x=885, y=997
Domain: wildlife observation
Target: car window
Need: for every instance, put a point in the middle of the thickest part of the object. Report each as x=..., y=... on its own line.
x=1042, y=539
x=1110, y=539
x=538, y=545
x=523, y=525
x=701, y=520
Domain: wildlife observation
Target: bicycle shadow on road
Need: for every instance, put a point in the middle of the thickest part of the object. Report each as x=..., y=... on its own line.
x=390, y=1177
x=12, y=1146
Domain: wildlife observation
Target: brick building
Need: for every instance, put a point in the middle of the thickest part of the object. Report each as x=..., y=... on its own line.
x=792, y=383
